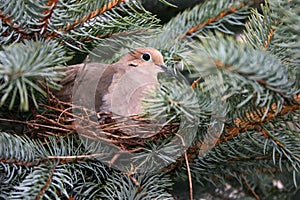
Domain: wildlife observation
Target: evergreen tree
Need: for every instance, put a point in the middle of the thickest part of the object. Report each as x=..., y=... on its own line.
x=235, y=92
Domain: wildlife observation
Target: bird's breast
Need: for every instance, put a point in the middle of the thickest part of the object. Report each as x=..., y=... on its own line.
x=128, y=89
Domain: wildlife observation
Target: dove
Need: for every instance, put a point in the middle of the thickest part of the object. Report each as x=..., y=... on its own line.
x=117, y=87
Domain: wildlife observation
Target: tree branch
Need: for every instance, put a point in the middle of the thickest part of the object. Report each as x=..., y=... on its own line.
x=86, y=18
x=267, y=42
x=219, y=16
x=40, y=194
x=241, y=126
x=48, y=13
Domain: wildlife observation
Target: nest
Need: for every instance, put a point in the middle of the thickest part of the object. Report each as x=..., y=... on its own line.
x=58, y=119
x=128, y=133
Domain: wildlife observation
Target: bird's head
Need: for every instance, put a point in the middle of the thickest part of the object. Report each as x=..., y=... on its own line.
x=144, y=56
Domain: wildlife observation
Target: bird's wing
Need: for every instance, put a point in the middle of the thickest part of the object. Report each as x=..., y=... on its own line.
x=105, y=85
x=86, y=84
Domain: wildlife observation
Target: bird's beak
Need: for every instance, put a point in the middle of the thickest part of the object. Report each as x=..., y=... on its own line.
x=166, y=69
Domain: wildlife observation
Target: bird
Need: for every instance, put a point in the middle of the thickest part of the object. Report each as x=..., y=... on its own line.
x=113, y=88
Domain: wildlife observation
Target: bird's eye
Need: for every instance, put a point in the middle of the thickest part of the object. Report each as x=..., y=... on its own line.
x=146, y=57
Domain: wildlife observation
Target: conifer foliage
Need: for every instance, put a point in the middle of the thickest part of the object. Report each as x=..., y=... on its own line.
x=251, y=46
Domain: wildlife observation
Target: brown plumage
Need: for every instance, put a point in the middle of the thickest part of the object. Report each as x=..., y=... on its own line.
x=98, y=85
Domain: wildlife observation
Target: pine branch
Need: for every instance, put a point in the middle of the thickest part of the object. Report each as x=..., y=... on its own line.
x=261, y=88
x=135, y=186
x=81, y=25
x=250, y=188
x=257, y=37
x=257, y=65
x=251, y=120
x=256, y=122
x=277, y=37
x=24, y=67
x=267, y=146
x=84, y=19
x=236, y=157
x=202, y=19
x=222, y=15
x=211, y=15
x=19, y=145
x=268, y=40
x=35, y=184
x=45, y=187
x=48, y=13
x=52, y=175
